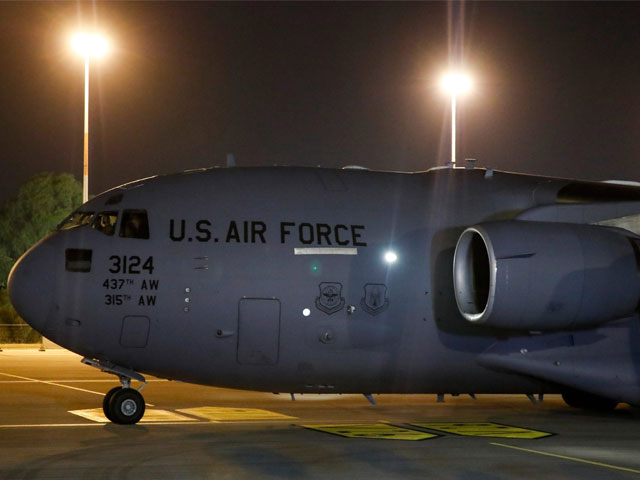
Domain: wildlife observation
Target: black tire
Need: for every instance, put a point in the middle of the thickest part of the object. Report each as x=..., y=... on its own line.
x=126, y=406
x=107, y=400
x=588, y=401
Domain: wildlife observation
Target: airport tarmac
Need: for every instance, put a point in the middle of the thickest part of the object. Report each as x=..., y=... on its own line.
x=51, y=427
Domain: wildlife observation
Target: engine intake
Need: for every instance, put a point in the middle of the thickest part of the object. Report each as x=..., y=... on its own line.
x=545, y=276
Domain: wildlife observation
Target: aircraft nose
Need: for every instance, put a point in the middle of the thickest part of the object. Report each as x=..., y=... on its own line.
x=31, y=283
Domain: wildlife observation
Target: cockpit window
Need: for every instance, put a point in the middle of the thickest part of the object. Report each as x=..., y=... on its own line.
x=78, y=260
x=105, y=222
x=76, y=219
x=134, y=224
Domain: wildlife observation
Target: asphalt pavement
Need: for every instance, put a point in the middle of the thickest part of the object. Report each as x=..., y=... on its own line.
x=52, y=427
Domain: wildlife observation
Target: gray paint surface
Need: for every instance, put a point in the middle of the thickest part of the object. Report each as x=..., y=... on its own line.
x=219, y=236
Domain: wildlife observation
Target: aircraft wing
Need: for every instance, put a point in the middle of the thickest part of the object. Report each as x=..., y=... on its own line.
x=623, y=214
x=594, y=361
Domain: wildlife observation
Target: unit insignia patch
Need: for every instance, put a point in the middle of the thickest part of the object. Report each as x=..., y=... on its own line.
x=330, y=300
x=375, y=299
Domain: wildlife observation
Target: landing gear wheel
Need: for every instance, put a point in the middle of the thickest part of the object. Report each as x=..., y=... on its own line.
x=126, y=406
x=588, y=401
x=107, y=400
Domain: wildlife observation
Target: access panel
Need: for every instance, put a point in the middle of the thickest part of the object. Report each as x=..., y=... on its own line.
x=135, y=331
x=258, y=331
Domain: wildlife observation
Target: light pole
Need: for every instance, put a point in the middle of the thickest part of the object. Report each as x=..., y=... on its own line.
x=455, y=84
x=87, y=45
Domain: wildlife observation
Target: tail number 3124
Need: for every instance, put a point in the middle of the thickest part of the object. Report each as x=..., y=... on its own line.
x=130, y=264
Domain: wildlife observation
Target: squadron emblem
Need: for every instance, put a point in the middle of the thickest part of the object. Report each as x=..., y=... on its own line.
x=330, y=300
x=375, y=299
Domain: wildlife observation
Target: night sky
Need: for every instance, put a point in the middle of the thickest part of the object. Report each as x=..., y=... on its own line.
x=557, y=87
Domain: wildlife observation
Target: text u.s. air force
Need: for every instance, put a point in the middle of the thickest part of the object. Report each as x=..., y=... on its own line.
x=257, y=231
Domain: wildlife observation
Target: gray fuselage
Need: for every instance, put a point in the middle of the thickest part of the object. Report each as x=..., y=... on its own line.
x=278, y=279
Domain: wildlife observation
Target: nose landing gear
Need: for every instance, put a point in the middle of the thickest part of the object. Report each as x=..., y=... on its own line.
x=123, y=405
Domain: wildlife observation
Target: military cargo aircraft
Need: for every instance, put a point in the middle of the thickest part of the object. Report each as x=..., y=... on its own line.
x=311, y=280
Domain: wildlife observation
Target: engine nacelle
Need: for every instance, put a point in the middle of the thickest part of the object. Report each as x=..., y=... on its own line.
x=545, y=276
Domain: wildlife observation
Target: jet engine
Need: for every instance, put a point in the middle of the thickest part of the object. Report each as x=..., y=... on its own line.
x=546, y=276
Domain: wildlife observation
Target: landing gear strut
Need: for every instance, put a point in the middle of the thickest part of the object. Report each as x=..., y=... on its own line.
x=123, y=405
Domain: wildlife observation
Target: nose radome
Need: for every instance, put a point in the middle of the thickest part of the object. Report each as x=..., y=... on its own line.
x=31, y=284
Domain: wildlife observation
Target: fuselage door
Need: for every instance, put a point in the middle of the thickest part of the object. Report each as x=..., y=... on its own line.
x=258, y=331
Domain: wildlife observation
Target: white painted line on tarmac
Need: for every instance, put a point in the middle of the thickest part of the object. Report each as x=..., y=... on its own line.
x=65, y=425
x=15, y=352
x=102, y=380
x=73, y=381
x=564, y=457
x=56, y=384
x=55, y=425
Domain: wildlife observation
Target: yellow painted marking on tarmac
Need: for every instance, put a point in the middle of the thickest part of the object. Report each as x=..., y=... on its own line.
x=564, y=457
x=224, y=414
x=150, y=416
x=373, y=430
x=485, y=429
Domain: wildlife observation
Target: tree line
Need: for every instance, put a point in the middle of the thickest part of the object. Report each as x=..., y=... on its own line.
x=40, y=205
